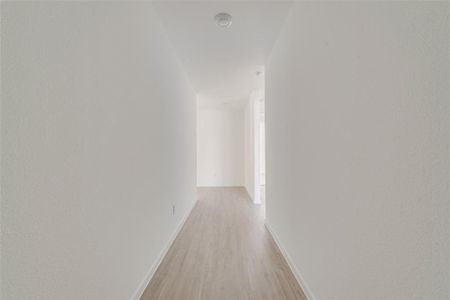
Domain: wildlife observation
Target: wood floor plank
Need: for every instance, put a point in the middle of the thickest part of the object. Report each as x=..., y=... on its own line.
x=224, y=252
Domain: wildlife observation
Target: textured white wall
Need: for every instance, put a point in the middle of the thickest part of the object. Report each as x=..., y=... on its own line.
x=220, y=146
x=357, y=128
x=98, y=132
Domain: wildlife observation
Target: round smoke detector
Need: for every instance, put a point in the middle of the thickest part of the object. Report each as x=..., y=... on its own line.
x=223, y=19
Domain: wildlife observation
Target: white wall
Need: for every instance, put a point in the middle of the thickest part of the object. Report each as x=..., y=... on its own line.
x=220, y=145
x=357, y=128
x=98, y=131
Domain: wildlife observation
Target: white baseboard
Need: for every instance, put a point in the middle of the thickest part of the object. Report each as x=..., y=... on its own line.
x=248, y=194
x=152, y=271
x=301, y=281
x=220, y=186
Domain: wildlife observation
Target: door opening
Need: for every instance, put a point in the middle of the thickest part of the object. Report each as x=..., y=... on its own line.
x=259, y=150
x=262, y=153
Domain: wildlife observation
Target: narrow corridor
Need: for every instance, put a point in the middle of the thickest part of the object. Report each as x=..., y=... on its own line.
x=224, y=150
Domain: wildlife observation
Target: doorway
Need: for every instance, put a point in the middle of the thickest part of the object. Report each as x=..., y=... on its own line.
x=257, y=148
x=262, y=153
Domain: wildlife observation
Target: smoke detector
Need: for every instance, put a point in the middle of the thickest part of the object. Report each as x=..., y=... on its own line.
x=223, y=19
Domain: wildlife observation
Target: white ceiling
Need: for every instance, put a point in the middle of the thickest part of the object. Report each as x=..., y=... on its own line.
x=222, y=62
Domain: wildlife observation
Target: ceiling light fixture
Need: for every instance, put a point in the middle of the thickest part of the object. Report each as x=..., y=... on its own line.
x=223, y=19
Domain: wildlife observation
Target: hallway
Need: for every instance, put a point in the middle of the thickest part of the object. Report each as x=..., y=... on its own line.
x=224, y=150
x=224, y=252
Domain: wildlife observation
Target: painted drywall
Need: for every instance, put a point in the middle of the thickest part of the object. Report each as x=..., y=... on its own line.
x=357, y=135
x=220, y=145
x=98, y=131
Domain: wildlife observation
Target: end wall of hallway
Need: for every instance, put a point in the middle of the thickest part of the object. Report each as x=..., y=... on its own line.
x=220, y=144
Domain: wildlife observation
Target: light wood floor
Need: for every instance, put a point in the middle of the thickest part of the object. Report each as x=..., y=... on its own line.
x=224, y=252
